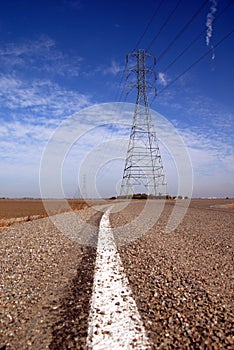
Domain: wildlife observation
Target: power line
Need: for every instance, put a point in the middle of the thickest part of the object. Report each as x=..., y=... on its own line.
x=195, y=39
x=117, y=99
x=149, y=23
x=182, y=53
x=175, y=38
x=183, y=29
x=164, y=24
x=197, y=61
x=138, y=42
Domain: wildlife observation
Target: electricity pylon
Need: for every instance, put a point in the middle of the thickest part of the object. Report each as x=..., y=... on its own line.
x=84, y=188
x=143, y=171
x=81, y=192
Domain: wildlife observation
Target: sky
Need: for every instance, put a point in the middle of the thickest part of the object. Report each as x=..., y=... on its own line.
x=60, y=59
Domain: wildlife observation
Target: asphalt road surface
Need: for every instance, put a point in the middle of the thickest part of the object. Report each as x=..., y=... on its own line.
x=119, y=280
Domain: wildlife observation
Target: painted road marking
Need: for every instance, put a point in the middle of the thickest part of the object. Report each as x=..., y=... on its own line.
x=114, y=321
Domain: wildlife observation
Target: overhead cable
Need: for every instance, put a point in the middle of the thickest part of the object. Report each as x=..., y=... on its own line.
x=196, y=39
x=164, y=24
x=148, y=24
x=198, y=60
x=182, y=30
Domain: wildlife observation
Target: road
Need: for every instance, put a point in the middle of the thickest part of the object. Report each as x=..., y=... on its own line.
x=177, y=287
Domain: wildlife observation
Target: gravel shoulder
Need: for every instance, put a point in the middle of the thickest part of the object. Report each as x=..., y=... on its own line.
x=183, y=281
x=41, y=268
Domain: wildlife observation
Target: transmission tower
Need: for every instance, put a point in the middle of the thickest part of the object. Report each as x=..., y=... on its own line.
x=83, y=187
x=81, y=192
x=143, y=171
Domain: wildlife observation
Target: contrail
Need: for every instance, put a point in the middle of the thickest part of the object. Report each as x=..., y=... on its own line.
x=209, y=24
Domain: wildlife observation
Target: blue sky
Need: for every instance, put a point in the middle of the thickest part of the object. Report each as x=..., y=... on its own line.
x=58, y=57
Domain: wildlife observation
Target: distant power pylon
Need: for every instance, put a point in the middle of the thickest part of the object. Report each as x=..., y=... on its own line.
x=81, y=192
x=84, y=188
x=143, y=171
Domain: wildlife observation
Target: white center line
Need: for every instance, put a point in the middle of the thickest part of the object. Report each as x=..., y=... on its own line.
x=114, y=321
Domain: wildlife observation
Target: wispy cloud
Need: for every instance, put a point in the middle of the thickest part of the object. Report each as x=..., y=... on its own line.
x=194, y=110
x=24, y=138
x=32, y=106
x=114, y=68
x=27, y=47
x=39, y=56
x=162, y=79
x=39, y=97
x=205, y=127
x=209, y=25
x=213, y=163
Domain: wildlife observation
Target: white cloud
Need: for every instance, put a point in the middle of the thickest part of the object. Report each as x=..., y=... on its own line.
x=194, y=109
x=209, y=21
x=27, y=48
x=39, y=56
x=205, y=126
x=213, y=162
x=209, y=25
x=42, y=97
x=30, y=111
x=162, y=79
x=114, y=69
x=36, y=110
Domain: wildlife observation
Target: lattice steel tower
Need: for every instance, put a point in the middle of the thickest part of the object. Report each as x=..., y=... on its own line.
x=143, y=171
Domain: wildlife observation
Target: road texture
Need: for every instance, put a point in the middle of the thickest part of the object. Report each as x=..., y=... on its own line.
x=181, y=282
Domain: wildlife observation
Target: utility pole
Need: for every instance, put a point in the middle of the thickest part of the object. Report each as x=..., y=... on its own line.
x=143, y=171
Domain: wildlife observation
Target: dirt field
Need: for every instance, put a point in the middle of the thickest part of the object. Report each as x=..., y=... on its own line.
x=14, y=208
x=216, y=203
x=19, y=210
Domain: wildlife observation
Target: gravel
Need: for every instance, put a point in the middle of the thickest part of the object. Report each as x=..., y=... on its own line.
x=182, y=282
x=39, y=265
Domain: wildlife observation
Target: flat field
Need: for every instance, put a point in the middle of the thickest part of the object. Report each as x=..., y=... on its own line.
x=14, y=208
x=213, y=203
x=18, y=210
